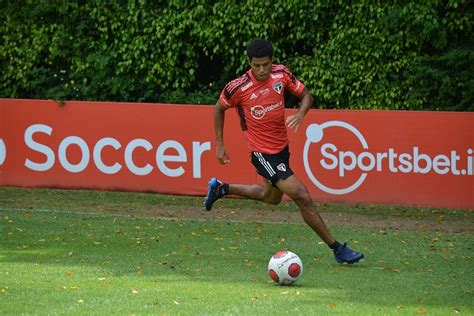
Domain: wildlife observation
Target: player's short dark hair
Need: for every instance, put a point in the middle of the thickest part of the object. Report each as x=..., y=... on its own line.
x=259, y=48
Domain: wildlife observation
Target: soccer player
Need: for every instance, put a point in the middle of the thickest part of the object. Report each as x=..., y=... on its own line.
x=258, y=97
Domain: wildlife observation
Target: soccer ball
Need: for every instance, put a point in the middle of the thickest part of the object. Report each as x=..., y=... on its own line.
x=285, y=267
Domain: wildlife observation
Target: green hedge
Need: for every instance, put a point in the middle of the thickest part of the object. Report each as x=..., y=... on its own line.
x=358, y=54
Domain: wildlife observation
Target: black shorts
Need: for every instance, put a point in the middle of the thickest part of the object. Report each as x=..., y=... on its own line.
x=273, y=167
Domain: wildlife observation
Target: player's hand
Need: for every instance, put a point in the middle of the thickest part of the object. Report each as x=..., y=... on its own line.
x=294, y=121
x=222, y=155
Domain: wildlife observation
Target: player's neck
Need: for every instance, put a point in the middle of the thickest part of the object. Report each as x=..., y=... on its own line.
x=254, y=78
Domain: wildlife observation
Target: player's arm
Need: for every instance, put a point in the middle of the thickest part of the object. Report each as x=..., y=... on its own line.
x=306, y=102
x=219, y=118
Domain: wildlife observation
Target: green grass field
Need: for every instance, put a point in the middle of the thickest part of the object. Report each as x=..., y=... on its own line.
x=95, y=253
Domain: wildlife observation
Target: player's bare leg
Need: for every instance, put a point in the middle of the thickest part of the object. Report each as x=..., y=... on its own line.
x=264, y=193
x=298, y=193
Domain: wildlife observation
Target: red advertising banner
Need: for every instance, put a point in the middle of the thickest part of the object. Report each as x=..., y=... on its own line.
x=385, y=157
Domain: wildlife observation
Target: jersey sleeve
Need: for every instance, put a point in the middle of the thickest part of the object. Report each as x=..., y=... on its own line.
x=293, y=85
x=231, y=93
x=228, y=101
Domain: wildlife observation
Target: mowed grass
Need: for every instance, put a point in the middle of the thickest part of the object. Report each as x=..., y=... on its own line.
x=77, y=252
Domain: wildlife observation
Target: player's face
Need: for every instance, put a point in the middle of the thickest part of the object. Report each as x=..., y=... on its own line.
x=261, y=67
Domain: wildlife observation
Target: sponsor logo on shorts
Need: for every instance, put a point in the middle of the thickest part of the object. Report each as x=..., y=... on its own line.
x=282, y=167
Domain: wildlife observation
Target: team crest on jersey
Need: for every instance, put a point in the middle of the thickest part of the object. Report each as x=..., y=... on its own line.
x=277, y=86
x=281, y=167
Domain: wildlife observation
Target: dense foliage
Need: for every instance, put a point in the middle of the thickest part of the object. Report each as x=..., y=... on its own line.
x=359, y=54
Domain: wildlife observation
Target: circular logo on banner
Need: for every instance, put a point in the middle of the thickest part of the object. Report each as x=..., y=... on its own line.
x=3, y=152
x=315, y=134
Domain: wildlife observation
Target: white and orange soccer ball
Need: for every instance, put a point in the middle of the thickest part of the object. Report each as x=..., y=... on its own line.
x=285, y=267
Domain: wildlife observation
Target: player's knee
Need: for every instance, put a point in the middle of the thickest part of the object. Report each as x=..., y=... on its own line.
x=274, y=200
x=271, y=198
x=302, y=197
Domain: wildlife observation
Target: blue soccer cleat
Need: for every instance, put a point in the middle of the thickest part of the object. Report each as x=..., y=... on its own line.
x=214, y=193
x=346, y=254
